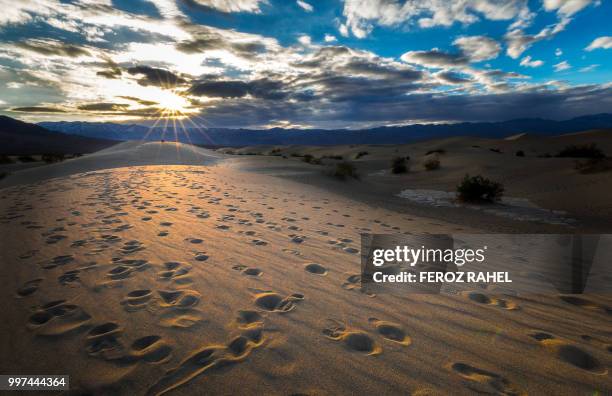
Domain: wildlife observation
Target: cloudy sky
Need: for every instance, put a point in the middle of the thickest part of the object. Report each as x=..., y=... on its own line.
x=304, y=63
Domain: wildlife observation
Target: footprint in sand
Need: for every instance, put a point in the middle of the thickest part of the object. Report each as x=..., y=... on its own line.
x=316, y=269
x=175, y=271
x=103, y=341
x=355, y=340
x=209, y=358
x=569, y=353
x=29, y=287
x=181, y=299
x=195, y=241
x=246, y=318
x=136, y=300
x=57, y=318
x=162, y=233
x=489, y=300
x=69, y=277
x=391, y=331
x=201, y=256
x=259, y=242
x=58, y=261
x=252, y=272
x=485, y=381
x=151, y=349
x=274, y=302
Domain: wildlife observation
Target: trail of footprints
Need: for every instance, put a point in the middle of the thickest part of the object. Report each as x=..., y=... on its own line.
x=174, y=305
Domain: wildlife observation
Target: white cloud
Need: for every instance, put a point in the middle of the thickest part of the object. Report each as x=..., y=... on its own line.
x=588, y=68
x=567, y=7
x=330, y=38
x=558, y=52
x=343, y=30
x=562, y=66
x=305, y=40
x=527, y=62
x=361, y=15
x=518, y=41
x=252, y=6
x=307, y=7
x=478, y=48
x=604, y=42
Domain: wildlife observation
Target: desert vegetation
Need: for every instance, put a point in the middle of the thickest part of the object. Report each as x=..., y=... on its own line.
x=432, y=163
x=581, y=151
x=399, y=165
x=479, y=189
x=345, y=170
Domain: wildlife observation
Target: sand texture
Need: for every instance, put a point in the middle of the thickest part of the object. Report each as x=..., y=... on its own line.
x=162, y=268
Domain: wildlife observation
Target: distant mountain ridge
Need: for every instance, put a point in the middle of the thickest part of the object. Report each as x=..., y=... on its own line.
x=380, y=135
x=22, y=138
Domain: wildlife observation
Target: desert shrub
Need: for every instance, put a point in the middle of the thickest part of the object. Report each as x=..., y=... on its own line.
x=594, y=165
x=479, y=189
x=275, y=152
x=297, y=155
x=26, y=158
x=361, y=154
x=344, y=170
x=230, y=152
x=311, y=159
x=545, y=155
x=399, y=165
x=495, y=150
x=475, y=146
x=436, y=151
x=520, y=153
x=333, y=157
x=581, y=151
x=5, y=159
x=52, y=157
x=3, y=175
x=431, y=164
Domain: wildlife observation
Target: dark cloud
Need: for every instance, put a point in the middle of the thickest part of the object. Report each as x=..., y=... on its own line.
x=206, y=39
x=453, y=77
x=139, y=101
x=263, y=88
x=104, y=107
x=155, y=76
x=376, y=108
x=52, y=47
x=38, y=109
x=113, y=70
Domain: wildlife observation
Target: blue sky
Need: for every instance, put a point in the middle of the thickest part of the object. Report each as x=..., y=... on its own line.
x=305, y=64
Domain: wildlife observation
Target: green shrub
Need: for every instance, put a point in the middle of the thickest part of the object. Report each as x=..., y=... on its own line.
x=344, y=170
x=431, y=164
x=26, y=158
x=479, y=189
x=310, y=159
x=50, y=158
x=581, y=151
x=334, y=157
x=399, y=165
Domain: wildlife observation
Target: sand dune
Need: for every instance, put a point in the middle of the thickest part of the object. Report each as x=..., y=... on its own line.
x=154, y=268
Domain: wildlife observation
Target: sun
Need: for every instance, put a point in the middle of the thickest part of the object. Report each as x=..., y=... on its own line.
x=173, y=103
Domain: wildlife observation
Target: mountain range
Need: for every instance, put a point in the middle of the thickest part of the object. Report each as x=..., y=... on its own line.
x=380, y=135
x=22, y=138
